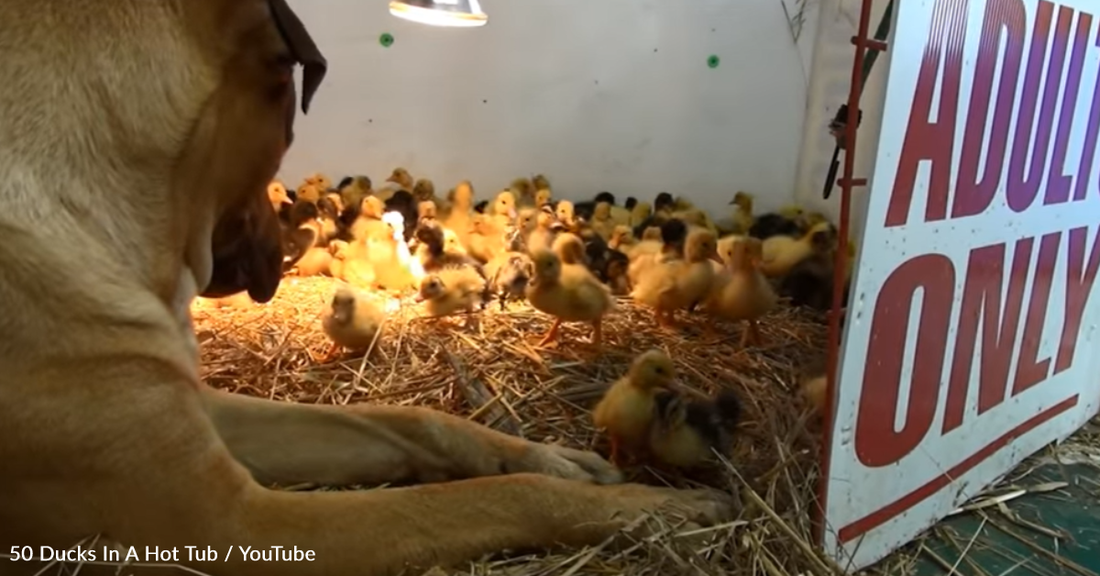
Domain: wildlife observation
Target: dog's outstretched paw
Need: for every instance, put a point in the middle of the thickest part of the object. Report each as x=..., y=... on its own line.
x=570, y=464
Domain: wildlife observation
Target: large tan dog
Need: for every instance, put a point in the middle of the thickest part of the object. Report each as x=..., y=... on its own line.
x=136, y=141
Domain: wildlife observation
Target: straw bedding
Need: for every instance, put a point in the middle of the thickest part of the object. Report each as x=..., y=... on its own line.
x=496, y=376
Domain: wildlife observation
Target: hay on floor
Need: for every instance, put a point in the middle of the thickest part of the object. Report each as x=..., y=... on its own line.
x=496, y=376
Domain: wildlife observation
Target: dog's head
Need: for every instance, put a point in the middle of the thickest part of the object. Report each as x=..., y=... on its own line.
x=255, y=113
x=158, y=125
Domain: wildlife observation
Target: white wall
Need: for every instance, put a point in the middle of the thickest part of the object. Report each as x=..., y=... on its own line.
x=838, y=21
x=611, y=95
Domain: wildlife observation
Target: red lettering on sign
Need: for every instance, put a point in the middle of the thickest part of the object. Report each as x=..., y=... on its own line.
x=1079, y=280
x=1058, y=182
x=1029, y=369
x=1091, y=134
x=877, y=443
x=925, y=139
x=1003, y=19
x=981, y=300
x=1022, y=190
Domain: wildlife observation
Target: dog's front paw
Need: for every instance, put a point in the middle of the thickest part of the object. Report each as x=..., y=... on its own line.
x=567, y=463
x=704, y=507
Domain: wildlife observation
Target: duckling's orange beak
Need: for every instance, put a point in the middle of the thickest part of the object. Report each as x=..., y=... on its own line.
x=418, y=298
x=392, y=178
x=714, y=257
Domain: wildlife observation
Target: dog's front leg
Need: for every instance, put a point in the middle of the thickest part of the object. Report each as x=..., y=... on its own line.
x=286, y=443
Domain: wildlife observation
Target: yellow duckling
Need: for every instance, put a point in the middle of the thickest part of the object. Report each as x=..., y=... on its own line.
x=351, y=321
x=622, y=239
x=742, y=215
x=640, y=213
x=782, y=253
x=740, y=291
x=570, y=249
x=679, y=283
x=626, y=410
x=602, y=223
x=453, y=290
x=570, y=293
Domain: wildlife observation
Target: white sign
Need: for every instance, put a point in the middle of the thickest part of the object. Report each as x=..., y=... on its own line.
x=971, y=337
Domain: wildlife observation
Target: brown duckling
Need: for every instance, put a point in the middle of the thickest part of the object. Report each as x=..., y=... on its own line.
x=686, y=432
x=509, y=275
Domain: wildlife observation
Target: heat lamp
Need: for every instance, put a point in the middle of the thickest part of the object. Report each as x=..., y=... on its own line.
x=449, y=13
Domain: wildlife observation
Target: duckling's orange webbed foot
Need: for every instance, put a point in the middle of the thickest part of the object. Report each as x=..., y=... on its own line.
x=551, y=335
x=327, y=356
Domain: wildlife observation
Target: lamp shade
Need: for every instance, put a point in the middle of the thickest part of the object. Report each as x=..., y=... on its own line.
x=453, y=13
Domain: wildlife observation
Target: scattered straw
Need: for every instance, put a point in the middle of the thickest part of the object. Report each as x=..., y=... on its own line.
x=495, y=375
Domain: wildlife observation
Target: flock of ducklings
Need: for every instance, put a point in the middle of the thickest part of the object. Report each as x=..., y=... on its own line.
x=570, y=261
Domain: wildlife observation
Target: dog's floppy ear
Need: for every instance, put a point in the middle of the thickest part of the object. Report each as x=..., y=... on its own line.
x=248, y=253
x=302, y=47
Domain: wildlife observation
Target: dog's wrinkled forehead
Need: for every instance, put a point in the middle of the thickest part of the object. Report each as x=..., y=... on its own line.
x=302, y=48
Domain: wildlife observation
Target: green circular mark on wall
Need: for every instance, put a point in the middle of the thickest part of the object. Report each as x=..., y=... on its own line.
x=713, y=61
x=386, y=40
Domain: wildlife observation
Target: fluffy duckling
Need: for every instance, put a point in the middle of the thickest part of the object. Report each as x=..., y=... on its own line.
x=677, y=284
x=453, y=290
x=426, y=210
x=616, y=273
x=524, y=192
x=509, y=275
x=401, y=179
x=317, y=261
x=424, y=191
x=566, y=214
x=309, y=193
x=461, y=203
x=741, y=219
x=668, y=246
x=639, y=213
x=353, y=193
x=569, y=293
x=487, y=239
x=296, y=244
x=686, y=432
x=627, y=408
x=570, y=249
x=276, y=193
x=652, y=234
x=526, y=220
x=368, y=224
x=319, y=181
x=543, y=197
x=814, y=392
x=601, y=222
x=622, y=238
x=772, y=225
x=782, y=253
x=546, y=230
x=740, y=291
x=810, y=282
x=503, y=209
x=351, y=321
x=540, y=182
x=433, y=252
x=664, y=203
